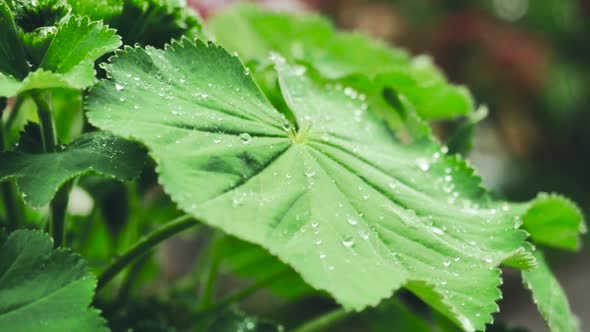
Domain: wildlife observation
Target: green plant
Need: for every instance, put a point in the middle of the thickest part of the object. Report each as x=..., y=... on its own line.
x=311, y=170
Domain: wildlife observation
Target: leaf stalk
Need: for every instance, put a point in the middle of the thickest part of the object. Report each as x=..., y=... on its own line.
x=144, y=245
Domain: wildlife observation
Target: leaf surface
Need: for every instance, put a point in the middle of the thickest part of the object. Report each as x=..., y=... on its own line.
x=334, y=195
x=549, y=297
x=43, y=289
x=39, y=176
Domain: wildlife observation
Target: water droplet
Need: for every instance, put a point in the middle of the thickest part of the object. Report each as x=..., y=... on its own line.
x=182, y=81
x=245, y=137
x=437, y=230
x=322, y=255
x=309, y=172
x=119, y=87
x=352, y=221
x=318, y=242
x=286, y=126
x=446, y=263
x=217, y=140
x=348, y=241
x=488, y=260
x=443, y=282
x=456, y=259
x=423, y=164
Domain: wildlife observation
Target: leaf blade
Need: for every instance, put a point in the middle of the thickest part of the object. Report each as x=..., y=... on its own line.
x=44, y=290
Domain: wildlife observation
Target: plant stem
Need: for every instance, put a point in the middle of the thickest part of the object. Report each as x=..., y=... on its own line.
x=13, y=204
x=324, y=321
x=145, y=244
x=244, y=293
x=46, y=121
x=131, y=277
x=18, y=102
x=59, y=203
x=215, y=260
x=58, y=207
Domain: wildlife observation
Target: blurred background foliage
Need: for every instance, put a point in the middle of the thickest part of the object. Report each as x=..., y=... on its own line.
x=529, y=62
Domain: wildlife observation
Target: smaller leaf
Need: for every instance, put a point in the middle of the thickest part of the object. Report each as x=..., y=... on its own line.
x=77, y=41
x=42, y=289
x=152, y=22
x=392, y=315
x=39, y=176
x=69, y=60
x=12, y=53
x=555, y=221
x=549, y=297
x=252, y=261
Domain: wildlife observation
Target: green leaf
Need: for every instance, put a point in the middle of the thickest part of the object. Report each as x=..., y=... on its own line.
x=254, y=33
x=251, y=261
x=77, y=42
x=555, y=221
x=69, y=60
x=12, y=54
x=550, y=298
x=31, y=15
x=42, y=289
x=334, y=195
x=394, y=316
x=152, y=22
x=39, y=176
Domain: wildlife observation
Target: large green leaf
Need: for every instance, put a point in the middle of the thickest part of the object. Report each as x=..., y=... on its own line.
x=334, y=195
x=42, y=289
x=69, y=59
x=254, y=33
x=550, y=297
x=39, y=176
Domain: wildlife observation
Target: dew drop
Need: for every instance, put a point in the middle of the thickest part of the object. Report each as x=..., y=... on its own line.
x=119, y=87
x=446, y=263
x=352, y=221
x=245, y=138
x=348, y=241
x=423, y=164
x=217, y=140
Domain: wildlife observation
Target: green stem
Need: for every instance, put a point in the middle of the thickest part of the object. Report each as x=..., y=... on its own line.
x=59, y=203
x=144, y=245
x=324, y=321
x=13, y=204
x=244, y=293
x=215, y=260
x=58, y=207
x=46, y=121
x=18, y=102
x=131, y=277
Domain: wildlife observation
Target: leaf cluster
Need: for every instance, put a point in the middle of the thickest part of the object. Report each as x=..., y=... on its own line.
x=312, y=171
